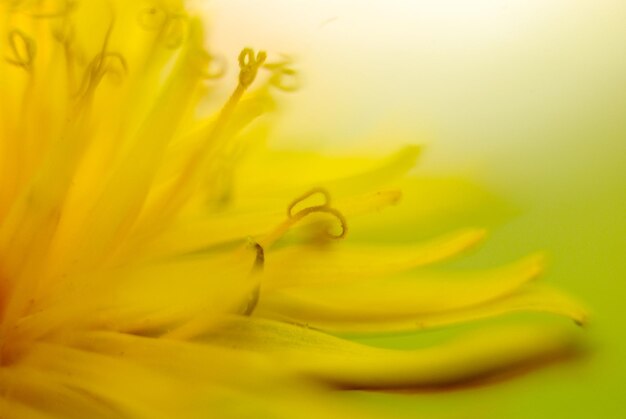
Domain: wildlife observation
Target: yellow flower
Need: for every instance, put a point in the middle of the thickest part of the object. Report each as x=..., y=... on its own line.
x=148, y=267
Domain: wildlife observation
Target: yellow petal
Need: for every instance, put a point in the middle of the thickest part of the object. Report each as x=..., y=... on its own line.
x=312, y=264
x=42, y=395
x=232, y=377
x=431, y=206
x=148, y=298
x=125, y=190
x=345, y=364
x=78, y=384
x=297, y=172
x=421, y=293
x=398, y=315
x=14, y=409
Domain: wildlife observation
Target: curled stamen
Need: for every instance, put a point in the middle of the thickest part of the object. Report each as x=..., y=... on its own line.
x=328, y=210
x=175, y=30
x=249, y=65
x=259, y=261
x=22, y=48
x=253, y=301
x=307, y=195
x=282, y=71
x=100, y=65
x=172, y=27
x=64, y=34
x=322, y=208
x=152, y=18
x=295, y=217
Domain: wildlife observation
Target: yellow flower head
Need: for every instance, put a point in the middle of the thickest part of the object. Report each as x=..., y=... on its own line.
x=150, y=268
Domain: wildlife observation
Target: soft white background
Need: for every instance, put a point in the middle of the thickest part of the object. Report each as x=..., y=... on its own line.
x=488, y=85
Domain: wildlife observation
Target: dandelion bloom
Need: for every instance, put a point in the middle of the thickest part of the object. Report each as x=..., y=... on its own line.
x=158, y=262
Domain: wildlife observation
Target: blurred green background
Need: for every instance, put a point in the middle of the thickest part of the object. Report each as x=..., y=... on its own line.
x=526, y=97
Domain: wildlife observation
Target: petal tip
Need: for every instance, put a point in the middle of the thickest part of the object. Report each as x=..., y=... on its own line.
x=536, y=265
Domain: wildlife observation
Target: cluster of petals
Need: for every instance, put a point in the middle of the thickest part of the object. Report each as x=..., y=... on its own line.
x=158, y=260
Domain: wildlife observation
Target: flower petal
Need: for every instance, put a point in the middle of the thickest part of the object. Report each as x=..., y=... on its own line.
x=116, y=200
x=396, y=312
x=422, y=293
x=222, y=377
x=431, y=206
x=311, y=264
x=345, y=364
x=146, y=298
x=341, y=176
x=13, y=409
x=73, y=383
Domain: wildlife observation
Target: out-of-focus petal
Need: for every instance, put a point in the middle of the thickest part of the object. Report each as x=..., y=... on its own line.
x=313, y=264
x=477, y=356
x=395, y=311
x=431, y=206
x=341, y=176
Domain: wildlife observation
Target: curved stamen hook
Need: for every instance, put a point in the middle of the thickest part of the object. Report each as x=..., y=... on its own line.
x=175, y=30
x=295, y=217
x=171, y=26
x=282, y=71
x=257, y=267
x=22, y=48
x=323, y=208
x=328, y=210
x=65, y=34
x=259, y=260
x=249, y=65
x=307, y=195
x=152, y=17
x=99, y=66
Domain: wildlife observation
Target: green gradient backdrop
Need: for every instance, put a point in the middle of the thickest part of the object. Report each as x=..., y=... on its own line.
x=528, y=97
